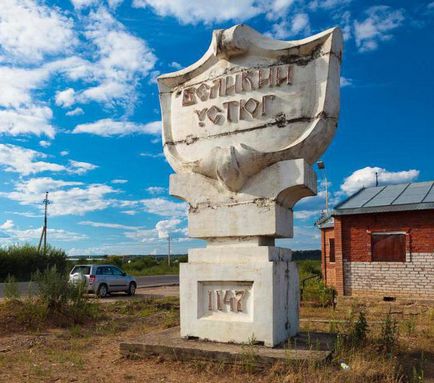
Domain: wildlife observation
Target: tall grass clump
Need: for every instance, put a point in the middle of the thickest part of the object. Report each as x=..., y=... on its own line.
x=21, y=261
x=389, y=334
x=359, y=331
x=11, y=290
x=65, y=302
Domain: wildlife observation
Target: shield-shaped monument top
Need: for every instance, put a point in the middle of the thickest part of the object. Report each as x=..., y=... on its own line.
x=250, y=102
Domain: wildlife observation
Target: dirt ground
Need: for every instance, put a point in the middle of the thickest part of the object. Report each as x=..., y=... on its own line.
x=90, y=353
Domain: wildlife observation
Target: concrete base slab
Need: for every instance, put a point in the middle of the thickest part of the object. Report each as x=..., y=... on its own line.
x=314, y=347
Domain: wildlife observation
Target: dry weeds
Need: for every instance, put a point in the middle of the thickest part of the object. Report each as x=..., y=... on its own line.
x=90, y=352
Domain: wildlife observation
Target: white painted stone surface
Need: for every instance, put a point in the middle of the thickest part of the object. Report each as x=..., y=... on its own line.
x=250, y=102
x=242, y=128
x=268, y=308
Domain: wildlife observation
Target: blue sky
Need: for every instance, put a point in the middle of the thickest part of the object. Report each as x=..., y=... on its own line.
x=80, y=117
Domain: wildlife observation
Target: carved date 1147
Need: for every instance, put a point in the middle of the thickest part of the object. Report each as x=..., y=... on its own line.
x=225, y=300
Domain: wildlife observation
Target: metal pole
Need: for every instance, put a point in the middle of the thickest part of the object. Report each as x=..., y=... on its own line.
x=45, y=223
x=168, y=250
x=327, y=192
x=321, y=166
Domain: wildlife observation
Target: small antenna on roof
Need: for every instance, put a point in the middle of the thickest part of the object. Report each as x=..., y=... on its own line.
x=376, y=178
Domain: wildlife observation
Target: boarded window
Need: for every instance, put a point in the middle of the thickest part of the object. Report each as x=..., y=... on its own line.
x=332, y=250
x=388, y=247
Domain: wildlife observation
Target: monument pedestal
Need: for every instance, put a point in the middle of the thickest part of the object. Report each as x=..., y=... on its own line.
x=239, y=294
x=241, y=288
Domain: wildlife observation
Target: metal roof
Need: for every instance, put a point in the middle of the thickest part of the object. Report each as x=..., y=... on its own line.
x=381, y=199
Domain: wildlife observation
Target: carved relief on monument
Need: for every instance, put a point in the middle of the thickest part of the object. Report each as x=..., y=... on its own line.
x=230, y=299
x=250, y=102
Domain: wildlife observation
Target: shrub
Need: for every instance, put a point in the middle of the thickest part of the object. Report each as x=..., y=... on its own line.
x=317, y=292
x=66, y=301
x=359, y=331
x=21, y=261
x=11, y=288
x=308, y=268
x=389, y=334
x=116, y=261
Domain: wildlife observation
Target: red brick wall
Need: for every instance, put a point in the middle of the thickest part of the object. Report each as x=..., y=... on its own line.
x=352, y=235
x=328, y=268
x=356, y=232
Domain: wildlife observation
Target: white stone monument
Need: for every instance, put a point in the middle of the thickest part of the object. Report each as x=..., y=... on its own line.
x=242, y=128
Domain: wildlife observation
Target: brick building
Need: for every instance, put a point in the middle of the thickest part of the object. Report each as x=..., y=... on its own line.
x=380, y=242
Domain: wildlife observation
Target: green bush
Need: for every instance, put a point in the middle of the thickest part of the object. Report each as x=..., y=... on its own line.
x=116, y=261
x=317, y=292
x=24, y=260
x=389, y=334
x=11, y=288
x=65, y=301
x=309, y=267
x=359, y=331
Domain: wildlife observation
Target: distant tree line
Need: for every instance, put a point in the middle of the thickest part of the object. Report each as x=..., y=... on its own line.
x=303, y=255
x=21, y=261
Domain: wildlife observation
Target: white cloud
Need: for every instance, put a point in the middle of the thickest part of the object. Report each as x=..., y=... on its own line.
x=108, y=127
x=29, y=30
x=18, y=83
x=366, y=177
x=122, y=58
x=175, y=65
x=164, y=207
x=299, y=24
x=75, y=112
x=68, y=198
x=34, y=120
x=327, y=4
x=157, y=206
x=155, y=190
x=44, y=144
x=25, y=161
x=7, y=225
x=65, y=98
x=78, y=167
x=151, y=155
x=108, y=225
x=166, y=227
x=79, y=4
x=119, y=181
x=378, y=26
x=119, y=60
x=64, y=153
x=306, y=214
x=129, y=212
x=15, y=234
x=277, y=8
x=53, y=234
x=84, y=3
x=194, y=11
x=345, y=81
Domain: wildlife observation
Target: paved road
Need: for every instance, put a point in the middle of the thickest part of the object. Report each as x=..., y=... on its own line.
x=146, y=281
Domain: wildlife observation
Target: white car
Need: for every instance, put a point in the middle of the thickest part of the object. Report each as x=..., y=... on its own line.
x=103, y=279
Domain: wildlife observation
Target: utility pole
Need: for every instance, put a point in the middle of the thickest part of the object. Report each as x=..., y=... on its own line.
x=44, y=229
x=321, y=166
x=168, y=249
